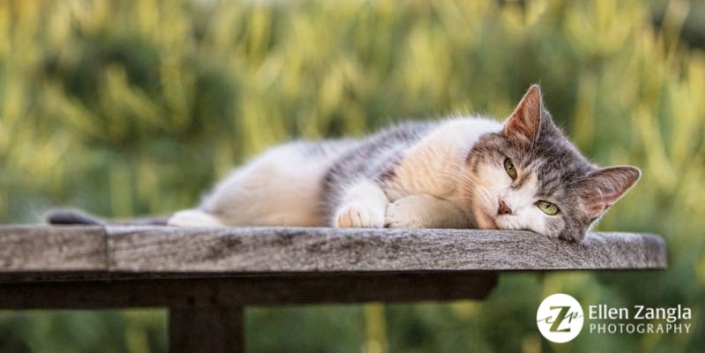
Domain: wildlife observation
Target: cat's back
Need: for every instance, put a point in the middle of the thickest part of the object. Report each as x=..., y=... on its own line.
x=431, y=165
x=454, y=128
x=380, y=152
x=451, y=132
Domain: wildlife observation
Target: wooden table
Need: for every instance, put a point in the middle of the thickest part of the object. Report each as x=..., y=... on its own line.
x=206, y=276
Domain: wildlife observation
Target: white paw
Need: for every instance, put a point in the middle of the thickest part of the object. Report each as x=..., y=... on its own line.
x=193, y=218
x=404, y=213
x=359, y=216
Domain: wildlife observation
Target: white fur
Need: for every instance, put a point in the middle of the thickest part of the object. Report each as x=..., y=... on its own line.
x=363, y=206
x=193, y=218
x=282, y=187
x=522, y=202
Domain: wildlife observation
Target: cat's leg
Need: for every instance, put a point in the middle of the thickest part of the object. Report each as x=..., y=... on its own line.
x=425, y=211
x=193, y=218
x=362, y=205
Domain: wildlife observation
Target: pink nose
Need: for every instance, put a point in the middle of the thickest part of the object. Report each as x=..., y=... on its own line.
x=503, y=208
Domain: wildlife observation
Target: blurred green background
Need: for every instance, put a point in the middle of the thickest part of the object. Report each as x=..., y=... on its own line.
x=128, y=108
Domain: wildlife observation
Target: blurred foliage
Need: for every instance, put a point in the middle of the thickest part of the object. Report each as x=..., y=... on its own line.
x=136, y=107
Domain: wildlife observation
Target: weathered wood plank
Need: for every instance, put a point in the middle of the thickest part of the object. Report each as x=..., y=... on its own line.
x=59, y=253
x=206, y=330
x=35, y=252
x=299, y=250
x=233, y=292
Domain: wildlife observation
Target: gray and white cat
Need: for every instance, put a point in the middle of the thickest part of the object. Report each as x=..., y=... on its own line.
x=454, y=173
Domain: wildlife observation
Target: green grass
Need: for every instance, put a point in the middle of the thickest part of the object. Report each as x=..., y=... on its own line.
x=127, y=108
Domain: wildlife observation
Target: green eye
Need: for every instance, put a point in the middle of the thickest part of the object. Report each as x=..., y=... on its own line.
x=509, y=167
x=547, y=207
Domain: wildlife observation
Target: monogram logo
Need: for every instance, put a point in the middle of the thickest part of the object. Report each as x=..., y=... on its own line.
x=560, y=318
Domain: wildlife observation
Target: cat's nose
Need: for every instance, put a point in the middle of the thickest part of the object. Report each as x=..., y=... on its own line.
x=503, y=208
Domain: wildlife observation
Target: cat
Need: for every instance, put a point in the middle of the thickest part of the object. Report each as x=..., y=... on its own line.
x=462, y=172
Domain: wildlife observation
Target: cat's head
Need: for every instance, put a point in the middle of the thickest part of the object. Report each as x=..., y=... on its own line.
x=529, y=176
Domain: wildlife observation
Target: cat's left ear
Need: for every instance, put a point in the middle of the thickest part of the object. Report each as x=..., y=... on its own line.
x=525, y=123
x=603, y=187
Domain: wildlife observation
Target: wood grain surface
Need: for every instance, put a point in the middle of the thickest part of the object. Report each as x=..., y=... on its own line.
x=39, y=252
x=159, y=249
x=223, y=268
x=37, y=249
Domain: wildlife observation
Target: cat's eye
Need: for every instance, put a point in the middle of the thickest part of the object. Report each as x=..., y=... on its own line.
x=509, y=167
x=547, y=207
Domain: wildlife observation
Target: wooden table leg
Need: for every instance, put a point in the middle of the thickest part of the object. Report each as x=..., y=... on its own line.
x=206, y=330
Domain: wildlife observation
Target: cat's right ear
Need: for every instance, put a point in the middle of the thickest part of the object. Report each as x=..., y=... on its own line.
x=525, y=123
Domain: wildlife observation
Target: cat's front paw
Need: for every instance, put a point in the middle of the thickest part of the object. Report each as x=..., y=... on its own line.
x=403, y=213
x=359, y=216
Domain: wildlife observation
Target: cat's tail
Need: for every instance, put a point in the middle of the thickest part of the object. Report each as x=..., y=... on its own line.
x=77, y=217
